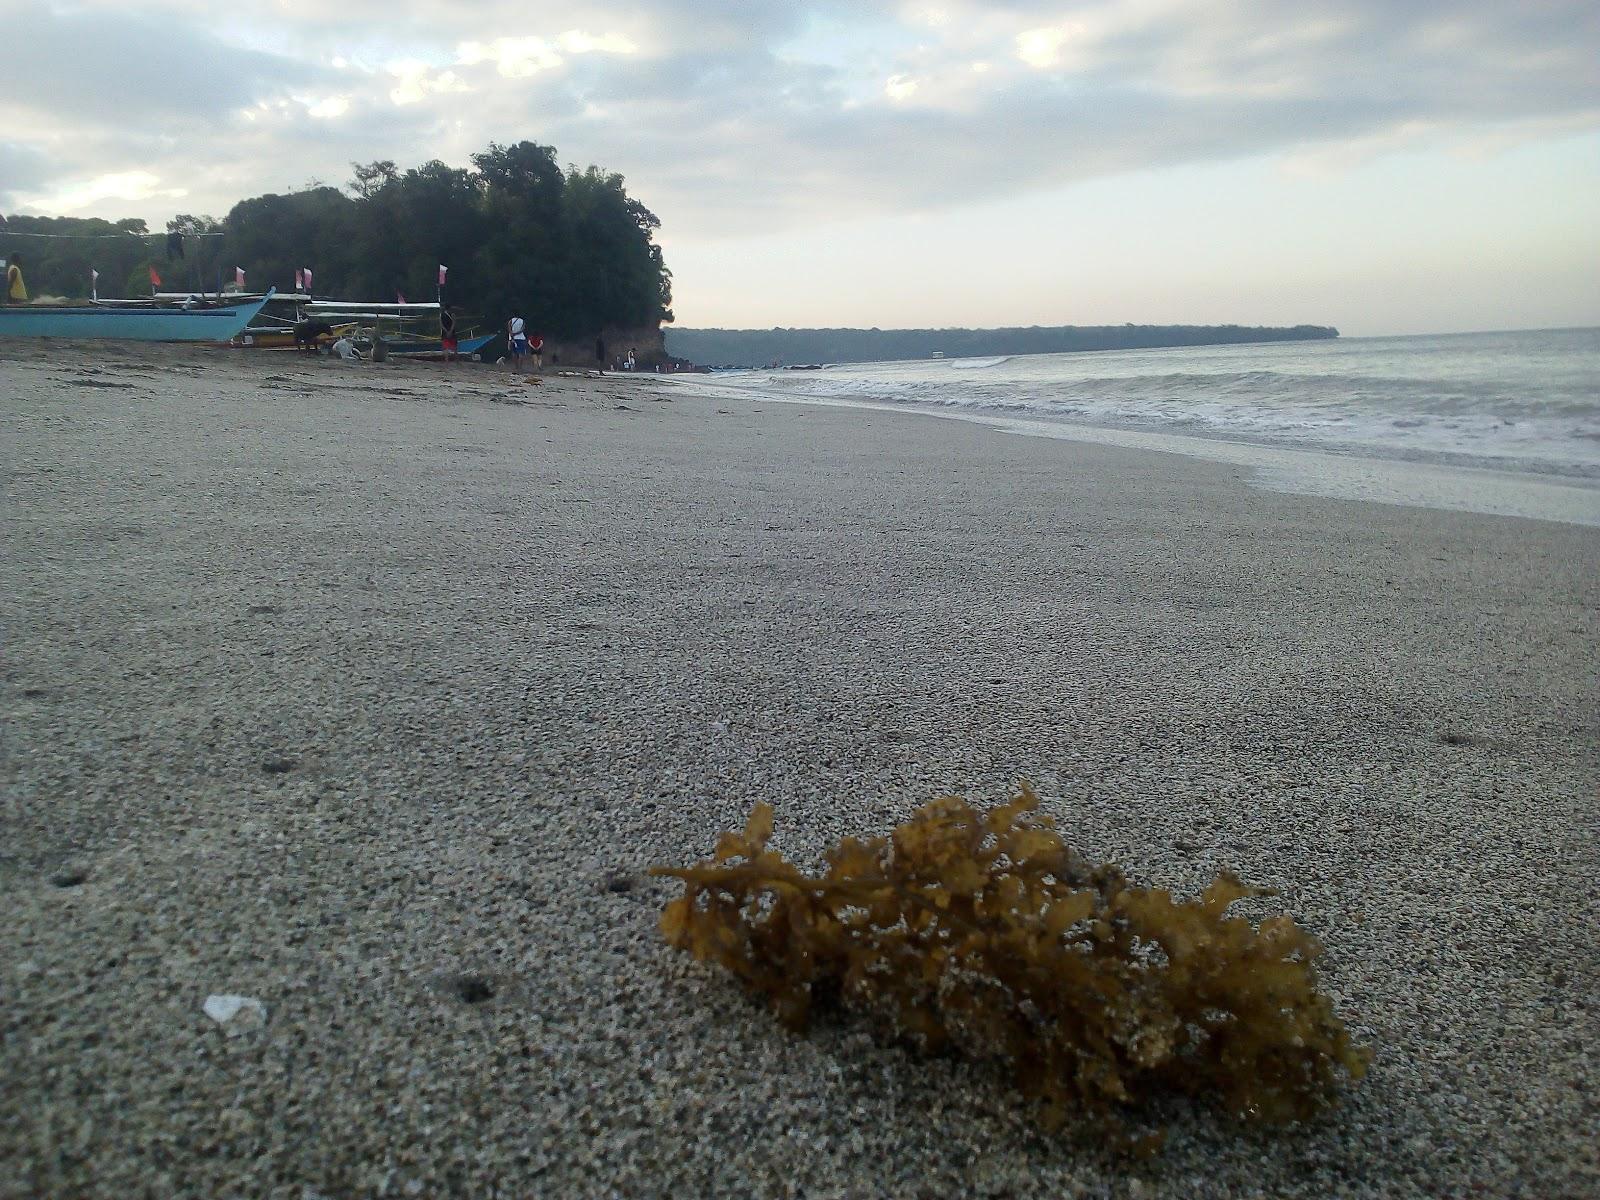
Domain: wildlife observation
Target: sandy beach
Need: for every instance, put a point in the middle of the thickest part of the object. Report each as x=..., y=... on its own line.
x=369, y=693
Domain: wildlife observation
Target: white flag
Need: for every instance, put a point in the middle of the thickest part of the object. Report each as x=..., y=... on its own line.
x=442, y=270
x=238, y=276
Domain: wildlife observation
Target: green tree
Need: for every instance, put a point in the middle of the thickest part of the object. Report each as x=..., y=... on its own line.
x=522, y=261
x=59, y=263
x=273, y=236
x=569, y=250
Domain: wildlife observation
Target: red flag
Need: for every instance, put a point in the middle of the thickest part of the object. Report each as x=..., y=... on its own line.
x=442, y=270
x=399, y=297
x=155, y=280
x=300, y=279
x=238, y=276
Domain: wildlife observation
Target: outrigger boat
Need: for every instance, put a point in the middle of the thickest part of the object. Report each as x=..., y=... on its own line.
x=364, y=321
x=407, y=347
x=201, y=321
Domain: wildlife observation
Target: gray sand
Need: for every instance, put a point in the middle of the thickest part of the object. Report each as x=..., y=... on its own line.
x=365, y=694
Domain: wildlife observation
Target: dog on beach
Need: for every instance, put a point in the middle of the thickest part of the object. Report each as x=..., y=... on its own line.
x=307, y=333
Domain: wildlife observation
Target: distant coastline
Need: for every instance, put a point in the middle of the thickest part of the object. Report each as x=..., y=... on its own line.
x=764, y=347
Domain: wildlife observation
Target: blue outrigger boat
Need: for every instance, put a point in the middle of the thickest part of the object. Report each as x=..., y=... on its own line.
x=466, y=347
x=205, y=322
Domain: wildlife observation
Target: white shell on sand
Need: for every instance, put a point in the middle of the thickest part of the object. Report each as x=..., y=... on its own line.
x=225, y=1009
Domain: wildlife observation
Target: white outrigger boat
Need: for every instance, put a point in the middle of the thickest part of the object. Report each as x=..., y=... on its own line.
x=397, y=325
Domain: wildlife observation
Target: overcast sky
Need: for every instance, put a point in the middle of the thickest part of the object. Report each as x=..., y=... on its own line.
x=1386, y=166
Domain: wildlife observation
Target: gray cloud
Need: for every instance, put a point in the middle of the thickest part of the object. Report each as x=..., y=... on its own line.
x=22, y=169
x=112, y=66
x=748, y=138
x=735, y=116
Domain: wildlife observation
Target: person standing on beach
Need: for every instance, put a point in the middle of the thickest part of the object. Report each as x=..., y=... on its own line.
x=517, y=340
x=16, y=290
x=447, y=334
x=536, y=349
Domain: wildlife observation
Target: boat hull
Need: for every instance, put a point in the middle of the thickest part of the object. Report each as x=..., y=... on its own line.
x=279, y=338
x=410, y=348
x=128, y=324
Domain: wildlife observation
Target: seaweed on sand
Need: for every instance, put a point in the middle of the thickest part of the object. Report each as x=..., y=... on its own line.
x=986, y=933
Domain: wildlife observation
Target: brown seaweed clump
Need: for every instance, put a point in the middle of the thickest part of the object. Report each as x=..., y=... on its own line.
x=984, y=932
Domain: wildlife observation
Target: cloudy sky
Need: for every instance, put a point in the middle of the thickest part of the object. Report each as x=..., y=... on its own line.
x=1386, y=166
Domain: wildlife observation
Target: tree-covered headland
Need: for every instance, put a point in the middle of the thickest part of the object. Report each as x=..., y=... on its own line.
x=569, y=250
x=761, y=347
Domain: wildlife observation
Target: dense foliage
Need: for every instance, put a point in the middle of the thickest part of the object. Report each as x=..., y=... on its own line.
x=569, y=250
x=59, y=264
x=984, y=932
x=763, y=347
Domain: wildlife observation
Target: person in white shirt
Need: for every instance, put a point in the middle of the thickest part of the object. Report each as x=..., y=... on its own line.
x=517, y=341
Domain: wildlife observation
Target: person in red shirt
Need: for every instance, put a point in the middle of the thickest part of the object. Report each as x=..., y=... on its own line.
x=536, y=348
x=447, y=334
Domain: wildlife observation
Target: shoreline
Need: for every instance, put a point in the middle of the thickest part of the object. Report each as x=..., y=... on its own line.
x=370, y=694
x=1489, y=491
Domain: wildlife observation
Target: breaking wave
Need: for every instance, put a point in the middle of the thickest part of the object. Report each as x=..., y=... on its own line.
x=1519, y=401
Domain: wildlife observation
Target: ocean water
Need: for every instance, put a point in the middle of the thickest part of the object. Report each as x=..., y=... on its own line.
x=1524, y=402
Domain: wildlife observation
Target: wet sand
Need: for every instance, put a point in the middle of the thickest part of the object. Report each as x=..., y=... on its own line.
x=370, y=692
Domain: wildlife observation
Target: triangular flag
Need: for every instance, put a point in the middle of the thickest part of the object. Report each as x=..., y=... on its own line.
x=307, y=271
x=442, y=270
x=299, y=279
x=399, y=298
x=238, y=276
x=94, y=276
x=155, y=280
